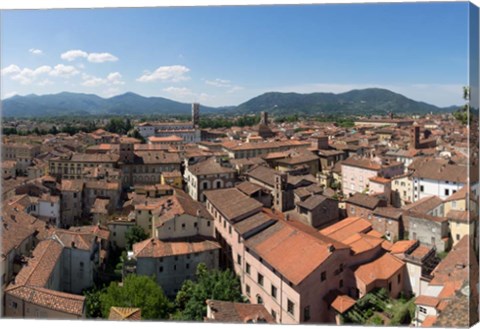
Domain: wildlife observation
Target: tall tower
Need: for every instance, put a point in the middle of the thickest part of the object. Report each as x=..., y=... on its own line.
x=280, y=198
x=415, y=137
x=195, y=114
x=264, y=118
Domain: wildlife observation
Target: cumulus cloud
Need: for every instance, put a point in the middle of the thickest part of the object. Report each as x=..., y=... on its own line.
x=64, y=71
x=174, y=73
x=71, y=55
x=112, y=79
x=10, y=69
x=35, y=51
x=219, y=83
x=101, y=57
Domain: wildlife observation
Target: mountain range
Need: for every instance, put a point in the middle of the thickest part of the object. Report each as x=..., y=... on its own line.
x=365, y=101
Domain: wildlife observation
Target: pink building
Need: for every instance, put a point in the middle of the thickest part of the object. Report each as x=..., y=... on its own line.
x=296, y=272
x=357, y=172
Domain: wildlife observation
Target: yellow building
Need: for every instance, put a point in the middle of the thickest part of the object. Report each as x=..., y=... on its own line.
x=172, y=178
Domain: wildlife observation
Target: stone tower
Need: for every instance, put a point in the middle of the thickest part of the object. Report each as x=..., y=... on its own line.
x=280, y=192
x=195, y=114
x=415, y=137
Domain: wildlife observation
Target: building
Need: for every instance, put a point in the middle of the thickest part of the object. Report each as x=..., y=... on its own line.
x=231, y=312
x=213, y=173
x=318, y=210
x=356, y=173
x=174, y=262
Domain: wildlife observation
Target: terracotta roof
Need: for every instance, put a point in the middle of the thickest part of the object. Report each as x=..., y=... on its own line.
x=364, y=200
x=427, y=301
x=238, y=312
x=72, y=185
x=293, y=249
x=209, y=167
x=172, y=138
x=388, y=212
x=248, y=188
x=424, y=205
x=340, y=302
x=97, y=230
x=439, y=170
x=251, y=223
x=50, y=299
x=312, y=202
x=232, y=203
x=154, y=248
x=383, y=268
x=458, y=216
x=401, y=247
x=346, y=228
x=181, y=203
x=429, y=321
x=41, y=265
x=124, y=313
x=458, y=265
x=78, y=240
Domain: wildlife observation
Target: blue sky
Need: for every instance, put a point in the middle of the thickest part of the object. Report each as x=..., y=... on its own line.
x=226, y=55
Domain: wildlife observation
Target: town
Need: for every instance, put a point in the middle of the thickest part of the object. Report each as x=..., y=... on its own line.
x=303, y=221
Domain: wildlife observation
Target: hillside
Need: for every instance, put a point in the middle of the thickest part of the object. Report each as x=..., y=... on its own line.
x=366, y=101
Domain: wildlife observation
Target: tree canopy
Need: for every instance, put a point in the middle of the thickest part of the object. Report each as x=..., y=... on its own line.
x=136, y=291
x=209, y=284
x=135, y=234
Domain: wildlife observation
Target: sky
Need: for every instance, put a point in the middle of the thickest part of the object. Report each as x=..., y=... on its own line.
x=222, y=56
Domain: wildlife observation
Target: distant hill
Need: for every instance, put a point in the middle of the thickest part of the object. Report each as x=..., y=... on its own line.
x=366, y=101
x=66, y=103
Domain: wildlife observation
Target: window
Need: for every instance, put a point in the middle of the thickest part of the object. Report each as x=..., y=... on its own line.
x=195, y=225
x=230, y=229
x=247, y=289
x=447, y=192
x=260, y=279
x=259, y=300
x=306, y=313
x=454, y=204
x=174, y=267
x=352, y=210
x=239, y=260
x=274, y=315
x=399, y=278
x=274, y=291
x=389, y=286
x=187, y=266
x=290, y=307
x=458, y=237
x=422, y=310
x=14, y=305
x=323, y=276
x=160, y=269
x=421, y=188
x=247, y=268
x=183, y=226
x=208, y=223
x=176, y=258
x=340, y=284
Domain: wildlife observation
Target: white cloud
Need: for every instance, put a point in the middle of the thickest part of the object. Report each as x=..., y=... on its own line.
x=35, y=51
x=219, y=83
x=45, y=82
x=71, y=55
x=11, y=69
x=101, y=57
x=111, y=92
x=174, y=73
x=64, y=71
x=114, y=78
x=235, y=89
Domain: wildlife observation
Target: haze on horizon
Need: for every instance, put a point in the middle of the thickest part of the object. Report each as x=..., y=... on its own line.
x=222, y=56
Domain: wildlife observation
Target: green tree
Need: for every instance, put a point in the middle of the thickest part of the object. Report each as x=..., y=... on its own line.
x=93, y=306
x=210, y=284
x=463, y=114
x=135, y=234
x=137, y=291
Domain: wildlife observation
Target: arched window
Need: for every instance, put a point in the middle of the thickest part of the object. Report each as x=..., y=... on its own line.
x=259, y=299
